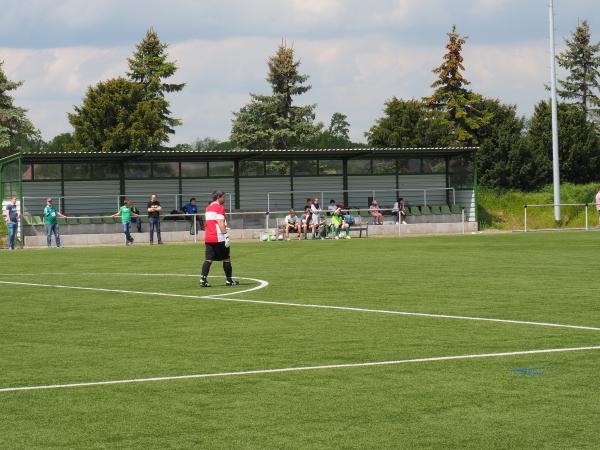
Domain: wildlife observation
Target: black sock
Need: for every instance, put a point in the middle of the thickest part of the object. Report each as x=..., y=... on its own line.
x=206, y=268
x=228, y=269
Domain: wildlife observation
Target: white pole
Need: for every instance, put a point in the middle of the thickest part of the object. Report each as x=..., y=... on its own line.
x=525, y=218
x=586, y=218
x=555, y=160
x=195, y=219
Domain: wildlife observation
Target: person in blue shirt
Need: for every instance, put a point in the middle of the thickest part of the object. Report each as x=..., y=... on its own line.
x=12, y=221
x=191, y=209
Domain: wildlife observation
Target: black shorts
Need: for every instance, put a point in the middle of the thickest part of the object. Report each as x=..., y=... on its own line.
x=216, y=251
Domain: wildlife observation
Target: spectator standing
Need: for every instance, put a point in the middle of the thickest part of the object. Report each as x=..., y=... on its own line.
x=126, y=215
x=598, y=205
x=292, y=222
x=12, y=222
x=315, y=209
x=50, y=222
x=136, y=218
x=154, y=210
x=375, y=212
x=191, y=209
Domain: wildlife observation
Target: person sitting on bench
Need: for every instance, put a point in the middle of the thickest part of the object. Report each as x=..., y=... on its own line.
x=399, y=211
x=375, y=212
x=338, y=223
x=306, y=221
x=292, y=222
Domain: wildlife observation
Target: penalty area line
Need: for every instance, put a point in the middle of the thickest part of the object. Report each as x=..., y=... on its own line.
x=297, y=369
x=223, y=298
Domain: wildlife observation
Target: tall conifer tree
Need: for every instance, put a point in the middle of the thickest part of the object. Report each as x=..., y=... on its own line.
x=149, y=66
x=452, y=96
x=582, y=59
x=273, y=121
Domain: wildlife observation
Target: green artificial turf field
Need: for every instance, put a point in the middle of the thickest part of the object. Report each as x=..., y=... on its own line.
x=57, y=335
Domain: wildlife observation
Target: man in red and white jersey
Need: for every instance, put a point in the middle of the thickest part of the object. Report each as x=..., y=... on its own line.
x=216, y=240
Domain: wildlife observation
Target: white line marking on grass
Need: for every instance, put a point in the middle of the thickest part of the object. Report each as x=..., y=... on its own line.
x=219, y=297
x=261, y=283
x=296, y=369
x=403, y=313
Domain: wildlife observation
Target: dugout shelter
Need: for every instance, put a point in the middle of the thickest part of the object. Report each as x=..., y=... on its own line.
x=256, y=180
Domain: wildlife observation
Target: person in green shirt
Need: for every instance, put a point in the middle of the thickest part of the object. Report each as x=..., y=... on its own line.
x=50, y=222
x=338, y=223
x=126, y=215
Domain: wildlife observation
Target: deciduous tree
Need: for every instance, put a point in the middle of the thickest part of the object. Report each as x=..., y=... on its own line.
x=116, y=116
x=14, y=124
x=410, y=123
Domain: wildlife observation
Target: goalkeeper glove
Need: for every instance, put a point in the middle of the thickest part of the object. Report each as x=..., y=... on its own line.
x=227, y=240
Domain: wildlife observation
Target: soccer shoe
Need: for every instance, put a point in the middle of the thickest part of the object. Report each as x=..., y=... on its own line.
x=348, y=237
x=232, y=283
x=204, y=283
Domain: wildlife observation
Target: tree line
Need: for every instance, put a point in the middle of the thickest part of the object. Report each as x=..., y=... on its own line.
x=132, y=112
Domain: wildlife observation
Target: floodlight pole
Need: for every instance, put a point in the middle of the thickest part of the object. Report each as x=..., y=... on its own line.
x=555, y=158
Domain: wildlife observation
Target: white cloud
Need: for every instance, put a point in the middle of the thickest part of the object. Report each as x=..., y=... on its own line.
x=351, y=75
x=489, y=7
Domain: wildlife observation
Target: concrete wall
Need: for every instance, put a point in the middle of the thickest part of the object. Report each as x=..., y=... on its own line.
x=75, y=240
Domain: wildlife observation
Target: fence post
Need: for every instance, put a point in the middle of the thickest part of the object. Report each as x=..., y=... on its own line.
x=195, y=219
x=586, y=217
x=525, y=221
x=462, y=216
x=424, y=197
x=453, y=196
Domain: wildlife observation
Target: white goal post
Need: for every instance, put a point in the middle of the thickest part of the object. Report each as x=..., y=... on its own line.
x=584, y=206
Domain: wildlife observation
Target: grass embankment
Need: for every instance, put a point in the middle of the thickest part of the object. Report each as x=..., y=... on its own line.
x=504, y=210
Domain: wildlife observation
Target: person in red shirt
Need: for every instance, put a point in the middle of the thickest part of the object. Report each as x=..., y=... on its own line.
x=216, y=240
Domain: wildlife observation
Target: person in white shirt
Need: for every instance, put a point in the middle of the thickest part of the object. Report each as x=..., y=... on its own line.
x=332, y=207
x=315, y=209
x=292, y=222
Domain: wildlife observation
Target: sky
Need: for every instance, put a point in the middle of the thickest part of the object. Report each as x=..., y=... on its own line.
x=357, y=53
